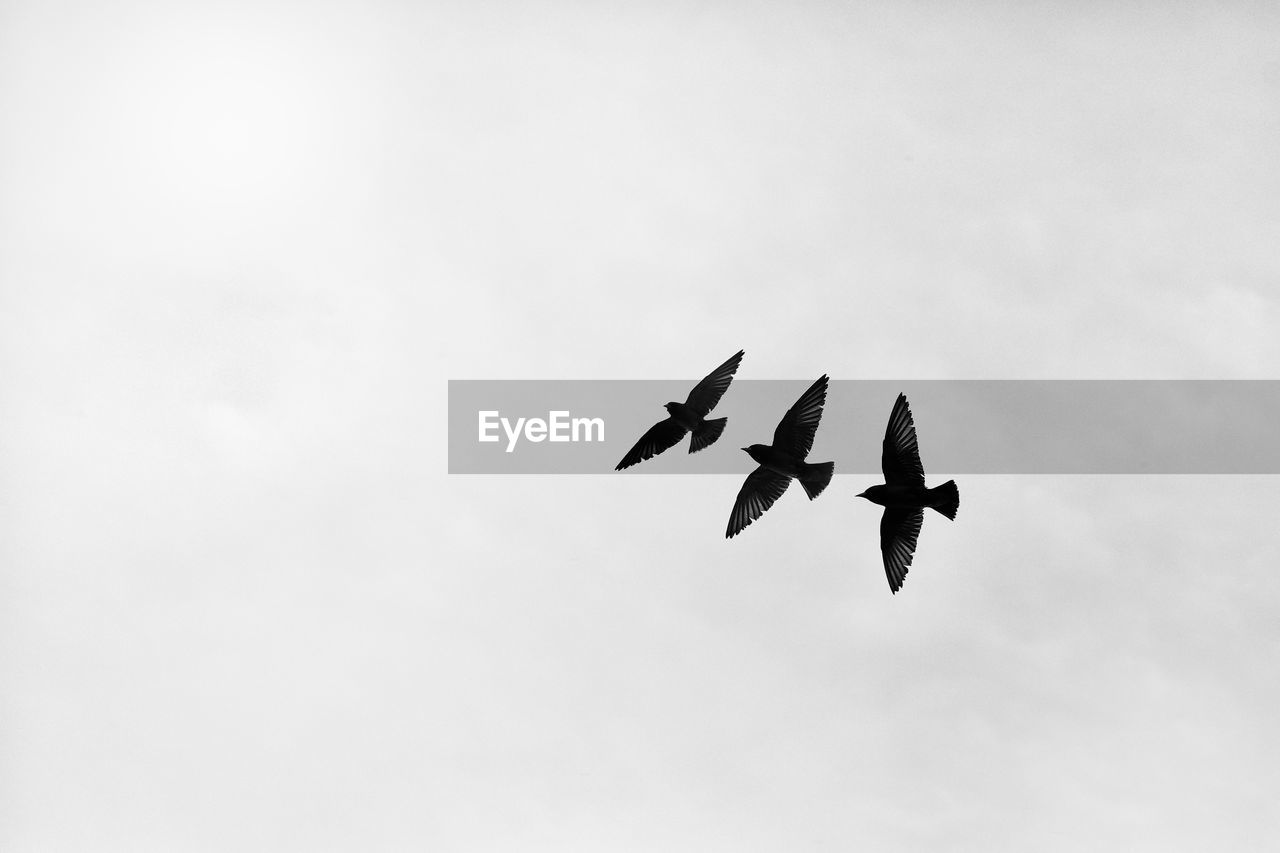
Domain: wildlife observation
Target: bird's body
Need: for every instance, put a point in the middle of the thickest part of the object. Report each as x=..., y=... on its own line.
x=908, y=497
x=783, y=461
x=780, y=461
x=687, y=417
x=904, y=495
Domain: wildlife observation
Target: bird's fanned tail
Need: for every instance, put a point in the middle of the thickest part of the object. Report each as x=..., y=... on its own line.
x=816, y=477
x=946, y=499
x=706, y=435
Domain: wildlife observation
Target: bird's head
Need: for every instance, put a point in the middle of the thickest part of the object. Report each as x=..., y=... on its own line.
x=670, y=407
x=871, y=494
x=755, y=451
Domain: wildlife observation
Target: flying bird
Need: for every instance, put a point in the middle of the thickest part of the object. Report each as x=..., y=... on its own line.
x=689, y=416
x=904, y=495
x=784, y=460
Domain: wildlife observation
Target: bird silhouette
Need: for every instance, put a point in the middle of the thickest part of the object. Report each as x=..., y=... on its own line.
x=904, y=495
x=784, y=460
x=689, y=416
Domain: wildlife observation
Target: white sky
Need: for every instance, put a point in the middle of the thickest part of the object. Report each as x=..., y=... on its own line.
x=242, y=248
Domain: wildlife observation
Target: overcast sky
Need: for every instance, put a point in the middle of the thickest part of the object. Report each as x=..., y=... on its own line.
x=244, y=245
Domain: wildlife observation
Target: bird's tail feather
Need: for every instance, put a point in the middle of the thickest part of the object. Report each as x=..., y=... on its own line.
x=706, y=435
x=816, y=477
x=946, y=499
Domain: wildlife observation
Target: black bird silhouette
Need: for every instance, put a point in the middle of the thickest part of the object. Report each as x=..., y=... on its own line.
x=904, y=495
x=784, y=460
x=691, y=415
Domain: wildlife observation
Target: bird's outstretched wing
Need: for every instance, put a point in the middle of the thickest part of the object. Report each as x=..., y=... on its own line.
x=899, y=530
x=705, y=395
x=795, y=431
x=761, y=488
x=663, y=435
x=901, y=457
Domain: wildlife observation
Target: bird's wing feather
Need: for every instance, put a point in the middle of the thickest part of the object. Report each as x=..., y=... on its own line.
x=707, y=393
x=899, y=530
x=901, y=457
x=761, y=488
x=795, y=431
x=663, y=435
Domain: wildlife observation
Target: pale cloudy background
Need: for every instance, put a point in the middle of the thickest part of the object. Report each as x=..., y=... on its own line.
x=243, y=246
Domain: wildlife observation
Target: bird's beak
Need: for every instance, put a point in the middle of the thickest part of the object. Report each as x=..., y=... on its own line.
x=860, y=495
x=744, y=450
